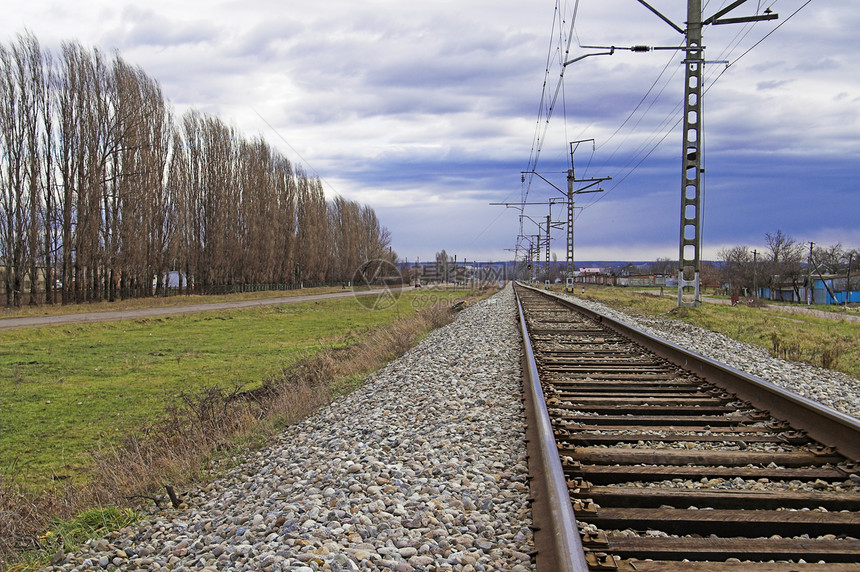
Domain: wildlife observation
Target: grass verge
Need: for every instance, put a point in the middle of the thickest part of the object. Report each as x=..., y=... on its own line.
x=204, y=423
x=832, y=344
x=64, y=388
x=69, y=534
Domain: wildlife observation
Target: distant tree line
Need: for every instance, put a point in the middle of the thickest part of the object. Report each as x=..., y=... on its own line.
x=103, y=192
x=784, y=261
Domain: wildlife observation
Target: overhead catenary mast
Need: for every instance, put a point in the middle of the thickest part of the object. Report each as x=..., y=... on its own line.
x=689, y=257
x=571, y=194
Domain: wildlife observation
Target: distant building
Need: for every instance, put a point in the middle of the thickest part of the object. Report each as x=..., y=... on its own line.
x=834, y=289
x=828, y=289
x=642, y=280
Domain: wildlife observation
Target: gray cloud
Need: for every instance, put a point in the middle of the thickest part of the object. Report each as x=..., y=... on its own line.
x=429, y=112
x=144, y=27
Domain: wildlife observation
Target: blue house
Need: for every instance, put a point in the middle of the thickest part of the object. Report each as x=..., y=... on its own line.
x=834, y=289
x=828, y=289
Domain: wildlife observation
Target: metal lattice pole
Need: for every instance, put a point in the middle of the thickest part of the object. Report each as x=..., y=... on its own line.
x=548, y=228
x=570, y=193
x=691, y=177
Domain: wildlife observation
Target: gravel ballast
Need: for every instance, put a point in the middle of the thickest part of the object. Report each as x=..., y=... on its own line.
x=423, y=468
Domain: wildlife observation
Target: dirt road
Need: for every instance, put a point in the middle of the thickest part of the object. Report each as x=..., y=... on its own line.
x=112, y=315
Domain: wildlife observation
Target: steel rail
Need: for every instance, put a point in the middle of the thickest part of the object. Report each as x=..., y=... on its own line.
x=823, y=424
x=557, y=541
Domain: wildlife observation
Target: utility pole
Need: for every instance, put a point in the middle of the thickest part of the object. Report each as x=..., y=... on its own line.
x=548, y=235
x=689, y=259
x=810, y=293
x=848, y=281
x=550, y=224
x=755, y=274
x=691, y=176
x=534, y=247
x=571, y=192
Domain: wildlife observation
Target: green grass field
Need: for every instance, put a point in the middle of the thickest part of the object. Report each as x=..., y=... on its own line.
x=64, y=389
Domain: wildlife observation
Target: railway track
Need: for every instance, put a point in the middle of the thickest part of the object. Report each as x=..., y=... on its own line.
x=670, y=461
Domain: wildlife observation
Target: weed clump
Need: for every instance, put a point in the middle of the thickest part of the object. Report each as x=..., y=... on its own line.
x=825, y=352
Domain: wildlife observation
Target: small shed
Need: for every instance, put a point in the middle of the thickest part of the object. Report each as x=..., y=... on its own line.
x=827, y=289
x=834, y=289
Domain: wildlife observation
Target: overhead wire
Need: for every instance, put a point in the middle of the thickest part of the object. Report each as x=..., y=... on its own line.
x=739, y=37
x=544, y=114
x=536, y=140
x=766, y=36
x=305, y=161
x=544, y=119
x=661, y=132
x=561, y=48
x=542, y=106
x=639, y=104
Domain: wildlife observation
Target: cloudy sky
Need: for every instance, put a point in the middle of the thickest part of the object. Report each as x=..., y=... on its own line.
x=429, y=111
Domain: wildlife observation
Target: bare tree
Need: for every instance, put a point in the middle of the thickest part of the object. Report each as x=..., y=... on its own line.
x=22, y=94
x=785, y=260
x=737, y=268
x=830, y=259
x=783, y=248
x=313, y=233
x=97, y=180
x=285, y=219
x=52, y=244
x=662, y=267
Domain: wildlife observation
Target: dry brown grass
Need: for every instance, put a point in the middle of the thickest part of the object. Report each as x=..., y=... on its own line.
x=176, y=450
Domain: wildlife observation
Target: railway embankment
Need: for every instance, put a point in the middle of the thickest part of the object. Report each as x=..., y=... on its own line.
x=424, y=467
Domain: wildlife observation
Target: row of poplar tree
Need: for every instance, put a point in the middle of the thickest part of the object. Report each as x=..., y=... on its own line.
x=104, y=193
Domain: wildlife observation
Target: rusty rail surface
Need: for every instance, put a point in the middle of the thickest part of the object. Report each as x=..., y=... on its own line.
x=557, y=538
x=676, y=462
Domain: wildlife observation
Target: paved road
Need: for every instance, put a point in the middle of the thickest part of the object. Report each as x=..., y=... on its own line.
x=112, y=315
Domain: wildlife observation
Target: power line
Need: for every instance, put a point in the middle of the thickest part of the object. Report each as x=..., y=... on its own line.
x=662, y=131
x=638, y=105
x=540, y=138
x=305, y=161
x=739, y=37
x=766, y=36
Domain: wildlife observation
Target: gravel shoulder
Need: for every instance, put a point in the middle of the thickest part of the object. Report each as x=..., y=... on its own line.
x=423, y=468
